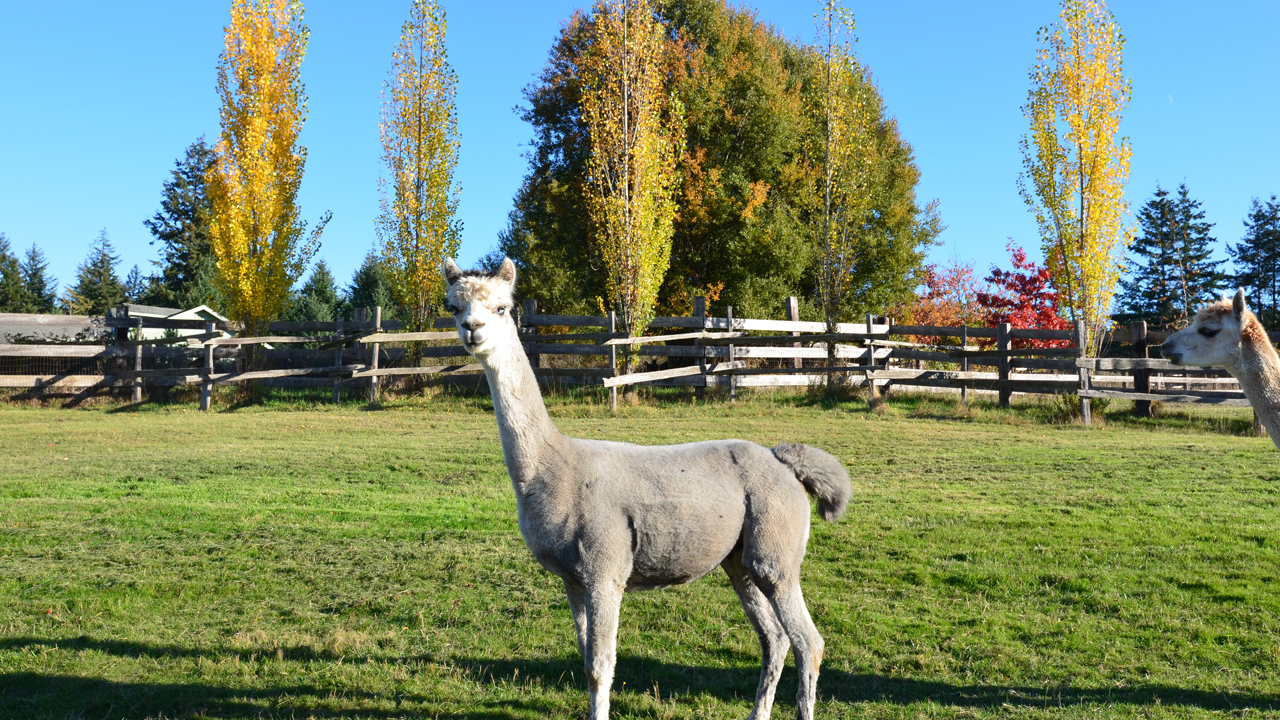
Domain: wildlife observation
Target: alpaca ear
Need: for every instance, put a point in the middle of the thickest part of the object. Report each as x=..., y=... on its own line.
x=451, y=271
x=1238, y=305
x=507, y=273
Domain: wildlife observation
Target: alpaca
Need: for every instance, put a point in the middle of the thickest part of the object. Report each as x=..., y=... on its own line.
x=1225, y=333
x=609, y=517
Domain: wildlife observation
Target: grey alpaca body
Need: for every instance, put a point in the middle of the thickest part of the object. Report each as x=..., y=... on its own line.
x=608, y=517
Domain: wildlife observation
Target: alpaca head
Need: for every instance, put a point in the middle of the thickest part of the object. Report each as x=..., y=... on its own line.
x=1215, y=336
x=481, y=305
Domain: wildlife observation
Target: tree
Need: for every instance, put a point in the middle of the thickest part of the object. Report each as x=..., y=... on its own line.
x=950, y=297
x=1074, y=164
x=1173, y=272
x=635, y=134
x=97, y=287
x=259, y=242
x=747, y=184
x=40, y=286
x=1257, y=260
x=1024, y=297
x=371, y=287
x=13, y=294
x=318, y=300
x=417, y=226
x=181, y=225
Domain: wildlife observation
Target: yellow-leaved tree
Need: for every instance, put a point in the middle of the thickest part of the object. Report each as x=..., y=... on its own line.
x=1075, y=164
x=636, y=137
x=260, y=244
x=847, y=112
x=417, y=227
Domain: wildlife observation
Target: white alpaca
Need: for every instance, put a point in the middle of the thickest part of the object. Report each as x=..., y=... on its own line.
x=608, y=517
x=1225, y=333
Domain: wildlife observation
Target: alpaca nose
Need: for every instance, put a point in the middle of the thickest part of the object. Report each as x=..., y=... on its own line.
x=473, y=323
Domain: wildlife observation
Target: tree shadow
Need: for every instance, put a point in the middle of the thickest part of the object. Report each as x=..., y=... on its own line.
x=735, y=680
x=33, y=695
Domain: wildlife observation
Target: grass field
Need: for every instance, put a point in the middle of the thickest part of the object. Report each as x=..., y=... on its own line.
x=296, y=560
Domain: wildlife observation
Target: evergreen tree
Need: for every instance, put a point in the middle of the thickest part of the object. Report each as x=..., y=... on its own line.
x=371, y=287
x=135, y=285
x=13, y=296
x=41, y=288
x=181, y=225
x=1172, y=270
x=318, y=299
x=1257, y=260
x=97, y=287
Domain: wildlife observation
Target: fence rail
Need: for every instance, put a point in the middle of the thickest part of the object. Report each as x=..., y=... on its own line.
x=703, y=351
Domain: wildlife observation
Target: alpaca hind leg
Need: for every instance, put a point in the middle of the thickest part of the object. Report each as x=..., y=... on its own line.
x=773, y=640
x=806, y=643
x=603, y=605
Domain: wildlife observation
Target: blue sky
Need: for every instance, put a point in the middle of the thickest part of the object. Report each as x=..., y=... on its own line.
x=99, y=99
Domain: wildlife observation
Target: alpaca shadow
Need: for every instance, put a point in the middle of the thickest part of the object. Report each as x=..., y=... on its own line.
x=729, y=684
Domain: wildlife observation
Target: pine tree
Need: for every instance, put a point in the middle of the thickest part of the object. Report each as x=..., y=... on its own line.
x=318, y=299
x=41, y=288
x=1257, y=260
x=371, y=287
x=97, y=287
x=181, y=225
x=13, y=297
x=1173, y=272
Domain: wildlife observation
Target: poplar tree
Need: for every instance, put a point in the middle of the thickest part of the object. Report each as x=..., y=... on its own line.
x=635, y=134
x=846, y=111
x=260, y=244
x=1075, y=165
x=1257, y=260
x=1172, y=270
x=419, y=196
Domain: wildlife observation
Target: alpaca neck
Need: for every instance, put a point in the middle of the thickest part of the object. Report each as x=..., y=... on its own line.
x=523, y=423
x=1259, y=374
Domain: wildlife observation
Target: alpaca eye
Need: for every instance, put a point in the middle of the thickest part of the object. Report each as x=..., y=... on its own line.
x=454, y=309
x=1208, y=332
x=502, y=311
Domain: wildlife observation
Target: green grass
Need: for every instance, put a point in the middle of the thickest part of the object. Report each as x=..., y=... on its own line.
x=302, y=560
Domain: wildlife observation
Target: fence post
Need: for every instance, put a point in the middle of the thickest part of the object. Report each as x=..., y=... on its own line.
x=1141, y=378
x=700, y=311
x=137, y=366
x=1086, y=415
x=337, y=358
x=206, y=390
x=733, y=379
x=373, y=355
x=964, y=364
x=870, y=360
x=530, y=308
x=793, y=314
x=613, y=363
x=1002, y=344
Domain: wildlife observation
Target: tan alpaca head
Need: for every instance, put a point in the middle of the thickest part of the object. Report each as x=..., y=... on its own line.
x=481, y=305
x=1215, y=336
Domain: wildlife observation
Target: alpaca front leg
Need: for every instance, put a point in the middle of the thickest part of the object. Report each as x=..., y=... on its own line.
x=603, y=605
x=806, y=643
x=578, y=606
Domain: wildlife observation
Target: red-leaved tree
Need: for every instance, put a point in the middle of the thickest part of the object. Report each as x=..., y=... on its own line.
x=950, y=298
x=1023, y=298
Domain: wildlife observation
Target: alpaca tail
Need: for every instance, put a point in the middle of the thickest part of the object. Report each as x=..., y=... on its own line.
x=821, y=474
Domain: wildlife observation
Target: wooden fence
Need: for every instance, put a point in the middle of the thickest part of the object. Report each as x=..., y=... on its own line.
x=696, y=351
